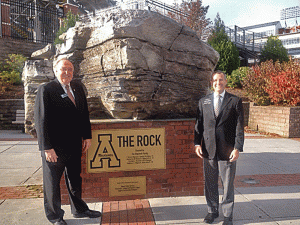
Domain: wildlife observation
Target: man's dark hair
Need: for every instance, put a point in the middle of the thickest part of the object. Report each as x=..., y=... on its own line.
x=218, y=72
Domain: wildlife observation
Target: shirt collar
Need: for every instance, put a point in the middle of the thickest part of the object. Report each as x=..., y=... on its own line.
x=222, y=94
x=61, y=84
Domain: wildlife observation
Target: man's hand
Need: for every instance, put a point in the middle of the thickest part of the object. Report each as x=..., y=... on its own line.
x=51, y=155
x=198, y=151
x=86, y=143
x=234, y=155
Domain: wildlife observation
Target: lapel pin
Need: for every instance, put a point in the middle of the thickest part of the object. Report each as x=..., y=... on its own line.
x=64, y=95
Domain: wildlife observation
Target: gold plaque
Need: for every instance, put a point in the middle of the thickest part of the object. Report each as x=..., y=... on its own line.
x=125, y=186
x=126, y=150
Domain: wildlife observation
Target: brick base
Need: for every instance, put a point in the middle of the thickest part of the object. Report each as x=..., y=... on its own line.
x=183, y=175
x=284, y=121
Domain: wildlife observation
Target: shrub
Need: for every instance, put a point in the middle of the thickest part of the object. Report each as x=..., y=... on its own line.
x=67, y=23
x=237, y=76
x=10, y=71
x=254, y=83
x=277, y=83
x=284, y=86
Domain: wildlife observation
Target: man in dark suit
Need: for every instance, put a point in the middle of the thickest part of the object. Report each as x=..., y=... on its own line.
x=64, y=131
x=219, y=138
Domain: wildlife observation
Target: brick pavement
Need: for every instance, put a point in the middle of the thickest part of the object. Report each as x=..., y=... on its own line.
x=130, y=212
x=18, y=139
x=19, y=192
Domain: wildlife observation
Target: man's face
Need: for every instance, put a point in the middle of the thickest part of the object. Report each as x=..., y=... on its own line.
x=64, y=71
x=219, y=83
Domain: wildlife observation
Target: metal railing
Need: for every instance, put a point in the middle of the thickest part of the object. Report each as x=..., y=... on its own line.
x=28, y=21
x=244, y=39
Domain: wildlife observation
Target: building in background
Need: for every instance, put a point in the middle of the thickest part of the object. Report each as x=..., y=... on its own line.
x=287, y=29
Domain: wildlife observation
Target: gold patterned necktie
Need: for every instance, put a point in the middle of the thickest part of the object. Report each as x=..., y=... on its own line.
x=218, y=106
x=70, y=94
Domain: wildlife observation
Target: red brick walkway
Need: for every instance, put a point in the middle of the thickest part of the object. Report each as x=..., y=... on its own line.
x=260, y=180
x=130, y=212
x=267, y=180
x=18, y=139
x=18, y=192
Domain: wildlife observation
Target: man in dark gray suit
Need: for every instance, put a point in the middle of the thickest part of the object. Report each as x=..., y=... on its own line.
x=64, y=131
x=219, y=138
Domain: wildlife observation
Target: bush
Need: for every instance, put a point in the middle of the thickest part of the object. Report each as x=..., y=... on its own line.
x=284, y=86
x=255, y=82
x=237, y=76
x=10, y=71
x=277, y=83
x=68, y=22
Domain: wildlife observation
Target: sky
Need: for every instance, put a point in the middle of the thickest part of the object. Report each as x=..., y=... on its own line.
x=246, y=12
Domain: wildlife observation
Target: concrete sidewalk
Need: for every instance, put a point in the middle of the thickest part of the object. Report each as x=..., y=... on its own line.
x=267, y=187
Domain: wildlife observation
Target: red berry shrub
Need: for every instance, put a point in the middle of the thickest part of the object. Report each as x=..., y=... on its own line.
x=275, y=82
x=255, y=82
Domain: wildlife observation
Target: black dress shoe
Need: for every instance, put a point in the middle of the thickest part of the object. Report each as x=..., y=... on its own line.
x=227, y=221
x=88, y=213
x=60, y=222
x=210, y=217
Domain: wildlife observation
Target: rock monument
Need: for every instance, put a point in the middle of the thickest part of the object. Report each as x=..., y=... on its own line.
x=134, y=64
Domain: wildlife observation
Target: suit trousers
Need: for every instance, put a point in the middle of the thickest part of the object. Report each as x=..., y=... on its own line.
x=52, y=173
x=226, y=169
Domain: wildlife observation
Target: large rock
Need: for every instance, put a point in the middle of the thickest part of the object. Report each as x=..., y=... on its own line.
x=140, y=64
x=136, y=64
x=35, y=72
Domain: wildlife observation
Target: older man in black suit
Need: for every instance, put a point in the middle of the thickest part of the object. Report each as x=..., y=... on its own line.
x=64, y=131
x=219, y=138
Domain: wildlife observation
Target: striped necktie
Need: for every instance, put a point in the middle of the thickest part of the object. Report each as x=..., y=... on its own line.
x=218, y=106
x=70, y=94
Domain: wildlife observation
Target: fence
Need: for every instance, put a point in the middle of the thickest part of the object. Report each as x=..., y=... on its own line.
x=244, y=39
x=28, y=21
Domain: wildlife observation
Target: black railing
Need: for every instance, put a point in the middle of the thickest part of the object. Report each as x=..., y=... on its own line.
x=28, y=21
x=244, y=39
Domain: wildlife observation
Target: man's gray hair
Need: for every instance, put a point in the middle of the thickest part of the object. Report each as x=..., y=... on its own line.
x=58, y=61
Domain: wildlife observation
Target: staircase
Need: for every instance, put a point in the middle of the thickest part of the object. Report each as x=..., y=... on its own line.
x=18, y=31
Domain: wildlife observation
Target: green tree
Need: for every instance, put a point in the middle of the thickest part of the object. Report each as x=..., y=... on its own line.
x=67, y=23
x=10, y=71
x=274, y=50
x=229, y=54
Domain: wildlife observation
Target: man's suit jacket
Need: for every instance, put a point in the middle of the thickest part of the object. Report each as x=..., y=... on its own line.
x=59, y=123
x=219, y=136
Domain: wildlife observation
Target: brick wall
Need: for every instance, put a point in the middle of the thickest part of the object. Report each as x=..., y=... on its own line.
x=8, y=108
x=15, y=46
x=280, y=120
x=246, y=108
x=183, y=175
x=294, y=122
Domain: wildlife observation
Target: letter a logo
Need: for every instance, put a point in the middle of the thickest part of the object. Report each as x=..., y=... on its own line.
x=105, y=151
